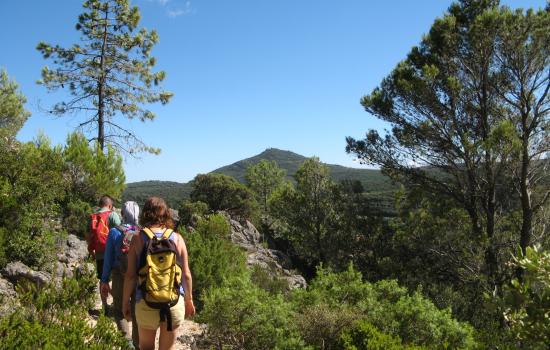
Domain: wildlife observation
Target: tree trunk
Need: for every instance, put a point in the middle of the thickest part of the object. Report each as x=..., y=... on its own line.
x=101, y=88
x=526, y=204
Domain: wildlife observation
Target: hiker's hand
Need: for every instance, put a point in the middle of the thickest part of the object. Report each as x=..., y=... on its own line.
x=127, y=311
x=189, y=308
x=105, y=290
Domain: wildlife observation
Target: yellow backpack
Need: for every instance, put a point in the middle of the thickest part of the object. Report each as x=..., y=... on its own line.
x=160, y=273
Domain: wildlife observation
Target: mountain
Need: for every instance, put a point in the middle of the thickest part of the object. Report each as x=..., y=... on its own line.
x=375, y=184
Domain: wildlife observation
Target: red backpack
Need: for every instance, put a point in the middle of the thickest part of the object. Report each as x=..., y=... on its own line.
x=99, y=231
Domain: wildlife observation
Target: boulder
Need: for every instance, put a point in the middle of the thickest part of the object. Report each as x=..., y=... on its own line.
x=245, y=235
x=8, y=297
x=16, y=271
x=72, y=251
x=7, y=290
x=274, y=262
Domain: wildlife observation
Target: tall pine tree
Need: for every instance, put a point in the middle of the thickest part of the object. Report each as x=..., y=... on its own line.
x=108, y=75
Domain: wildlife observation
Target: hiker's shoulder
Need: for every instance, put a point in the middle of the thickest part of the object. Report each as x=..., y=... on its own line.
x=178, y=238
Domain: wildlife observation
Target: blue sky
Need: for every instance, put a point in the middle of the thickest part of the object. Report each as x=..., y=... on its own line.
x=247, y=74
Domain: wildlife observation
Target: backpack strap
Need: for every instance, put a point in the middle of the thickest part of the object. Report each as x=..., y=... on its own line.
x=148, y=232
x=167, y=233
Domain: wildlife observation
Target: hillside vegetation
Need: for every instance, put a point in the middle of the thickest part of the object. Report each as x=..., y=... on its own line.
x=374, y=182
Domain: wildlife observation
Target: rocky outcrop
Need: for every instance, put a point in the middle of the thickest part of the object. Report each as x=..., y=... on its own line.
x=274, y=262
x=72, y=251
x=16, y=271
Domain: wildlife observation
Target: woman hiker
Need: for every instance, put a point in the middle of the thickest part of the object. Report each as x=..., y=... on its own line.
x=164, y=285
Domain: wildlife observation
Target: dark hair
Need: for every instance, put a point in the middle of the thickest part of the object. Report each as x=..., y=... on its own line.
x=105, y=201
x=156, y=213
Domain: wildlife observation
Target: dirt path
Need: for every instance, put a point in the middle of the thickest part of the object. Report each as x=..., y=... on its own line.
x=186, y=333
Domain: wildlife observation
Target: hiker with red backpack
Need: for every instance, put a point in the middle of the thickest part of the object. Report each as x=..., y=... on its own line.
x=101, y=221
x=115, y=265
x=158, y=272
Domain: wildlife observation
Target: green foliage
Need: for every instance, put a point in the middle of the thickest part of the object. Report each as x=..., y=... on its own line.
x=90, y=173
x=308, y=213
x=190, y=211
x=213, y=258
x=528, y=299
x=242, y=316
x=222, y=192
x=385, y=305
x=12, y=111
x=174, y=193
x=34, y=249
x=364, y=336
x=321, y=325
x=271, y=284
x=55, y=318
x=109, y=74
x=264, y=178
x=379, y=187
x=32, y=186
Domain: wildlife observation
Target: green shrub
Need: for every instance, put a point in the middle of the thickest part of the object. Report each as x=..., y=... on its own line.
x=273, y=285
x=215, y=226
x=364, y=336
x=74, y=218
x=55, y=318
x=321, y=325
x=189, y=209
x=222, y=192
x=34, y=249
x=385, y=305
x=242, y=316
x=527, y=301
x=212, y=257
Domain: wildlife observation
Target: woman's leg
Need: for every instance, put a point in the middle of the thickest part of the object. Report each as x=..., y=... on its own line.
x=166, y=339
x=147, y=338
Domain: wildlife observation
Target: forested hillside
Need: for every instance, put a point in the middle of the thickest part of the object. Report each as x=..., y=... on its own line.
x=376, y=185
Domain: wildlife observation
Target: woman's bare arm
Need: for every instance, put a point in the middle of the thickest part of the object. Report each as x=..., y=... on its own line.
x=187, y=279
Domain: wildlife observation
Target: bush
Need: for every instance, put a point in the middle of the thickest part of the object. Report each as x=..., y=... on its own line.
x=34, y=249
x=242, y=316
x=365, y=336
x=55, y=318
x=222, y=192
x=212, y=257
x=385, y=305
x=188, y=210
x=528, y=301
x=214, y=227
x=74, y=216
x=321, y=325
x=271, y=284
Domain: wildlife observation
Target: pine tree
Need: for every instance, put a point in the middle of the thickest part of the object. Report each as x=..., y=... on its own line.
x=264, y=178
x=109, y=75
x=12, y=111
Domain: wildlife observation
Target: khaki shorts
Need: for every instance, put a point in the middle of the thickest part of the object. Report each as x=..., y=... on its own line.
x=149, y=318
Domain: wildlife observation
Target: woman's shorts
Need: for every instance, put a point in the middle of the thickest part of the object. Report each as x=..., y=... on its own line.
x=149, y=318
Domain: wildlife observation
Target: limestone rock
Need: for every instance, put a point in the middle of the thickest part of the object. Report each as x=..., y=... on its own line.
x=7, y=290
x=16, y=271
x=8, y=296
x=274, y=262
x=72, y=251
